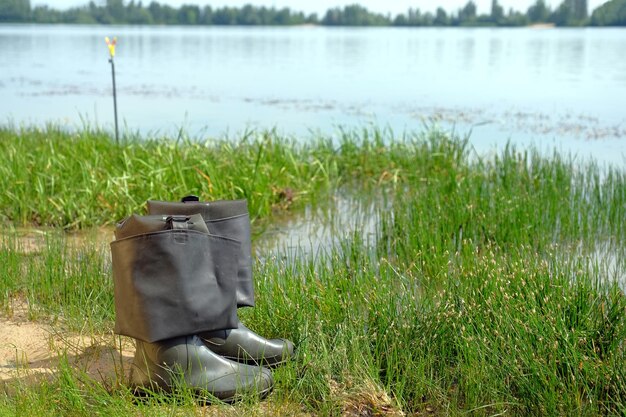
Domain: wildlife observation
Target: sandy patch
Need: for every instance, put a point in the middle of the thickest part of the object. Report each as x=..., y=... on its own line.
x=31, y=350
x=31, y=240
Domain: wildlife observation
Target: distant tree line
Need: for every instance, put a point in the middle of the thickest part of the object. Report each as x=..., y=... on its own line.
x=568, y=13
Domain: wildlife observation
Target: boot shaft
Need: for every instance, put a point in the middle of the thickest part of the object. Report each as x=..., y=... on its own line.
x=172, y=278
x=228, y=218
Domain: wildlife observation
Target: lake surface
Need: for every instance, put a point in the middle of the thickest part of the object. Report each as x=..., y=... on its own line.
x=563, y=88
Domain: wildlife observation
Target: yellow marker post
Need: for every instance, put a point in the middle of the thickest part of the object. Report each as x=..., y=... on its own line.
x=111, y=44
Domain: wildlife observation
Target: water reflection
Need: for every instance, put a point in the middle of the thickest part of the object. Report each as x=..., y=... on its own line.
x=319, y=228
x=466, y=51
x=571, y=58
x=608, y=261
x=495, y=53
x=604, y=261
x=333, y=225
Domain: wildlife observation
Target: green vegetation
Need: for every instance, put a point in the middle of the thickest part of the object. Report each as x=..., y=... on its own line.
x=611, y=13
x=568, y=13
x=483, y=292
x=47, y=185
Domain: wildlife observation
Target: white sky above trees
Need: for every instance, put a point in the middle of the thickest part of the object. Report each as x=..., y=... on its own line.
x=320, y=6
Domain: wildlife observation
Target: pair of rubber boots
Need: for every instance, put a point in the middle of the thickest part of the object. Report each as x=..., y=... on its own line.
x=180, y=273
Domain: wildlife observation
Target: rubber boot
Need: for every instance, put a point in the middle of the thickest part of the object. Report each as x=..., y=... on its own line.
x=230, y=218
x=243, y=345
x=173, y=280
x=186, y=360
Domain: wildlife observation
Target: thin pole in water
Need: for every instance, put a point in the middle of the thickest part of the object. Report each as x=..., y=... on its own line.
x=111, y=44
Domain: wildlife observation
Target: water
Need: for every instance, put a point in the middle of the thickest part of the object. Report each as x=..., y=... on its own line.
x=563, y=88
x=319, y=228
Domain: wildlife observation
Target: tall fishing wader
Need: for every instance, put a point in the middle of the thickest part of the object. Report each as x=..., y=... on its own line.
x=180, y=273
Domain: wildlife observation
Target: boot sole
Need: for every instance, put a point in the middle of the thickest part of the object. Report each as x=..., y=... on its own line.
x=143, y=393
x=259, y=362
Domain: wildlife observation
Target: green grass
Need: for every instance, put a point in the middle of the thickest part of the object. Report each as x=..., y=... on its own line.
x=75, y=180
x=481, y=294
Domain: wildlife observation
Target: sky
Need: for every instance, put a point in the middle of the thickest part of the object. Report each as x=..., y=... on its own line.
x=320, y=6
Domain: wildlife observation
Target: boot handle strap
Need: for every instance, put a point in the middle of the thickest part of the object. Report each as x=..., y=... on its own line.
x=190, y=198
x=177, y=222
